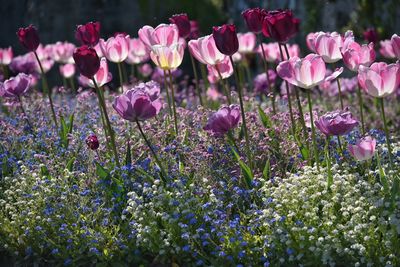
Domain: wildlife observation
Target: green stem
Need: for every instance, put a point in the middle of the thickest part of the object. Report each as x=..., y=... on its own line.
x=121, y=78
x=204, y=76
x=5, y=71
x=316, y=158
x=198, y=90
x=329, y=180
x=340, y=93
x=26, y=116
x=107, y=120
x=224, y=85
x=64, y=82
x=360, y=102
x=46, y=89
x=231, y=139
x=124, y=72
x=163, y=173
x=340, y=145
x=166, y=90
x=173, y=101
x=246, y=135
x=72, y=83
x=386, y=133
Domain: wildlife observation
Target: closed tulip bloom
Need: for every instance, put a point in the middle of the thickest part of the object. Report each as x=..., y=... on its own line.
x=194, y=30
x=205, y=50
x=305, y=73
x=371, y=35
x=380, y=79
x=137, y=105
x=15, y=86
x=247, y=42
x=115, y=49
x=6, y=55
x=167, y=57
x=101, y=77
x=87, y=61
x=336, y=123
x=88, y=34
x=356, y=55
x=254, y=18
x=364, y=149
x=226, y=39
x=224, y=120
x=328, y=46
x=183, y=24
x=310, y=41
x=29, y=37
x=92, y=142
x=386, y=49
x=163, y=34
x=63, y=51
x=138, y=52
x=395, y=40
x=280, y=25
x=225, y=68
x=67, y=70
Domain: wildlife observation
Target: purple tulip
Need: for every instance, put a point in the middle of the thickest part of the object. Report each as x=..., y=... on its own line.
x=16, y=86
x=336, y=123
x=224, y=120
x=140, y=103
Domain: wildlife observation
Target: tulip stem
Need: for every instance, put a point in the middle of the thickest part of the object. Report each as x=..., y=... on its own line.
x=72, y=83
x=204, y=76
x=386, y=133
x=224, y=85
x=246, y=135
x=329, y=180
x=5, y=71
x=196, y=77
x=121, y=78
x=163, y=173
x=26, y=116
x=313, y=129
x=264, y=60
x=340, y=93
x=46, y=89
x=360, y=101
x=173, y=101
x=340, y=145
x=166, y=90
x=111, y=133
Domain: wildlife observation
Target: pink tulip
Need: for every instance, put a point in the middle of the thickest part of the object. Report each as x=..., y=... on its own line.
x=356, y=55
x=271, y=51
x=62, y=52
x=364, y=149
x=116, y=48
x=395, y=40
x=163, y=34
x=6, y=55
x=225, y=68
x=67, y=70
x=247, y=42
x=328, y=46
x=380, y=79
x=310, y=41
x=294, y=50
x=145, y=70
x=15, y=86
x=101, y=77
x=138, y=52
x=167, y=57
x=305, y=73
x=205, y=50
x=386, y=49
x=213, y=94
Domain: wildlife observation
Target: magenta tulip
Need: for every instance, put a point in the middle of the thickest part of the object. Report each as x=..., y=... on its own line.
x=88, y=34
x=194, y=30
x=67, y=70
x=183, y=24
x=224, y=120
x=254, y=18
x=115, y=49
x=364, y=149
x=92, y=142
x=6, y=55
x=336, y=123
x=380, y=79
x=205, y=50
x=371, y=35
x=29, y=37
x=226, y=39
x=15, y=86
x=395, y=40
x=356, y=55
x=386, y=49
x=280, y=25
x=87, y=61
x=305, y=73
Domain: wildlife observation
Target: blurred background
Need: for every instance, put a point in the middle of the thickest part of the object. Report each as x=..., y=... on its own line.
x=56, y=19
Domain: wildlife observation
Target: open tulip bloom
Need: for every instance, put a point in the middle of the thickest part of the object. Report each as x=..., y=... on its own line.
x=364, y=149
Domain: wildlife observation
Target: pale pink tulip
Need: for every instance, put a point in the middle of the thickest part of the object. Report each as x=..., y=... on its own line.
x=115, y=49
x=328, y=46
x=163, y=34
x=271, y=51
x=386, y=49
x=380, y=79
x=395, y=40
x=67, y=70
x=356, y=55
x=364, y=149
x=101, y=77
x=310, y=40
x=305, y=72
x=6, y=55
x=167, y=57
x=225, y=69
x=205, y=50
x=63, y=51
x=247, y=42
x=213, y=94
x=138, y=52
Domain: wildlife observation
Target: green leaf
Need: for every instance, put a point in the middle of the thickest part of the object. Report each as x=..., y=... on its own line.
x=4, y=167
x=246, y=171
x=128, y=157
x=264, y=118
x=70, y=164
x=44, y=171
x=395, y=188
x=267, y=170
x=102, y=172
x=382, y=175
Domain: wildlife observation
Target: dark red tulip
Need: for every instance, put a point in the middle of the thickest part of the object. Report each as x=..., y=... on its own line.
x=183, y=24
x=280, y=25
x=371, y=35
x=29, y=37
x=87, y=61
x=254, y=18
x=194, y=30
x=88, y=34
x=92, y=142
x=226, y=39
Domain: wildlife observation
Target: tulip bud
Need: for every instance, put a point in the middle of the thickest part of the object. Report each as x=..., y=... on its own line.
x=280, y=25
x=364, y=149
x=194, y=30
x=87, y=61
x=226, y=39
x=88, y=34
x=92, y=142
x=371, y=35
x=254, y=18
x=183, y=24
x=29, y=37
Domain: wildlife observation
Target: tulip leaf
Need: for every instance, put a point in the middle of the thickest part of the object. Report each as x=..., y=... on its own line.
x=382, y=175
x=264, y=118
x=65, y=130
x=44, y=171
x=102, y=172
x=70, y=164
x=267, y=170
x=128, y=157
x=246, y=171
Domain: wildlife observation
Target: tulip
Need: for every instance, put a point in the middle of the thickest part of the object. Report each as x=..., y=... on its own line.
x=336, y=123
x=115, y=49
x=62, y=52
x=261, y=82
x=224, y=120
x=183, y=24
x=386, y=49
x=67, y=70
x=145, y=70
x=6, y=55
x=88, y=34
x=247, y=42
x=328, y=46
x=254, y=19
x=395, y=40
x=87, y=61
x=280, y=25
x=371, y=35
x=15, y=87
x=138, y=52
x=101, y=77
x=220, y=71
x=194, y=30
x=92, y=142
x=226, y=39
x=310, y=41
x=364, y=149
x=356, y=55
x=167, y=57
x=205, y=50
x=29, y=37
x=163, y=34
x=271, y=51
